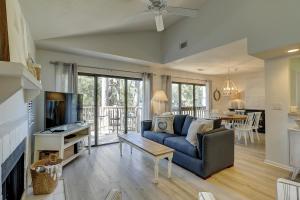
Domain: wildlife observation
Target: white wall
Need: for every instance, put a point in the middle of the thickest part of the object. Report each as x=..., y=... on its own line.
x=277, y=108
x=45, y=56
x=266, y=24
x=144, y=46
x=20, y=45
x=252, y=89
x=48, y=74
x=14, y=117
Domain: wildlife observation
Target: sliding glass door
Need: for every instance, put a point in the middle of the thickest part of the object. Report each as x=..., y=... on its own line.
x=111, y=109
x=86, y=86
x=189, y=99
x=134, y=105
x=117, y=106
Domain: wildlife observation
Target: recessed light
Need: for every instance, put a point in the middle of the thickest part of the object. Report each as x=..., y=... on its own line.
x=200, y=70
x=293, y=50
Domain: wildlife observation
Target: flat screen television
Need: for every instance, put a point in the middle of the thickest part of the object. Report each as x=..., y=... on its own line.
x=62, y=108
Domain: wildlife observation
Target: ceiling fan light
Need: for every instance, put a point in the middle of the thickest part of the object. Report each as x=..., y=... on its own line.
x=159, y=23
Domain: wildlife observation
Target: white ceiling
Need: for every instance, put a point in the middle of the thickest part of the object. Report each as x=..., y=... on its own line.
x=57, y=18
x=217, y=61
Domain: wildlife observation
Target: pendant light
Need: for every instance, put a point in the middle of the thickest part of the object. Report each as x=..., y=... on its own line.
x=229, y=87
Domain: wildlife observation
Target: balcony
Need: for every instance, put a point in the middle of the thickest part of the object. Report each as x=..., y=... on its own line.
x=111, y=121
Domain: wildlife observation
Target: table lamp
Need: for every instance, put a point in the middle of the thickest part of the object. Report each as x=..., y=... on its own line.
x=160, y=97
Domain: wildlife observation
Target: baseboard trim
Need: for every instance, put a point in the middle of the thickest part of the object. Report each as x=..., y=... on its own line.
x=279, y=165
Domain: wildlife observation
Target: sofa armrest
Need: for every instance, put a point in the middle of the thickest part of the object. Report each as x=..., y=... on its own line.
x=146, y=126
x=217, y=151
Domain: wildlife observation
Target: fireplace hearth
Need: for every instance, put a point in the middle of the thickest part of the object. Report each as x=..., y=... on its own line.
x=12, y=174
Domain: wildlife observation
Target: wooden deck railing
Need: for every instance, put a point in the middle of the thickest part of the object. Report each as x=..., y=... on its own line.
x=200, y=112
x=111, y=119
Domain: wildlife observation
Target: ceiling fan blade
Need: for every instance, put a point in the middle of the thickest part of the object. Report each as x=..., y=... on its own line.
x=159, y=23
x=187, y=12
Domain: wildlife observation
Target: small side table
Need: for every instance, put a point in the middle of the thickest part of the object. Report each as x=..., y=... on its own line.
x=294, y=141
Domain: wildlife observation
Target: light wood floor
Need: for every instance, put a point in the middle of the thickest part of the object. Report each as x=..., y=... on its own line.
x=92, y=177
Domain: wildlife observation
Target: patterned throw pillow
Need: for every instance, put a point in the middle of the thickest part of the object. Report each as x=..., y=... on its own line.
x=163, y=124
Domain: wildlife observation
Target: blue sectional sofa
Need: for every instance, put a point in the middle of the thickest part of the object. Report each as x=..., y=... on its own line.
x=215, y=152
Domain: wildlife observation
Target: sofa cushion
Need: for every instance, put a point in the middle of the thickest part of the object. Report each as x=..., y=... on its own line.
x=180, y=144
x=217, y=123
x=178, y=123
x=146, y=125
x=157, y=137
x=186, y=125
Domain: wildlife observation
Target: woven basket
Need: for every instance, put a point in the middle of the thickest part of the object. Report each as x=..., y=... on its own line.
x=43, y=183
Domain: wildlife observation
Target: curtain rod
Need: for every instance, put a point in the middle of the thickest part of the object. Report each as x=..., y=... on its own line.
x=193, y=79
x=119, y=70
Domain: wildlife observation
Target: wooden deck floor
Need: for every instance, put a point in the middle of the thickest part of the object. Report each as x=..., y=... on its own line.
x=92, y=177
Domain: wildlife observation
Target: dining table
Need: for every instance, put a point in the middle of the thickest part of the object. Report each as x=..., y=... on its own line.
x=232, y=121
x=233, y=117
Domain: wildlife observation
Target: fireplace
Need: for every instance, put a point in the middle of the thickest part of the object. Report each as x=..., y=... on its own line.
x=12, y=174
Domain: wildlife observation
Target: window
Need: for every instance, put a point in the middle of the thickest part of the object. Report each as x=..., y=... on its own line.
x=189, y=99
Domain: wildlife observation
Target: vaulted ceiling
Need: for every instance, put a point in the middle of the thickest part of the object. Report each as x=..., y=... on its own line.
x=221, y=36
x=60, y=18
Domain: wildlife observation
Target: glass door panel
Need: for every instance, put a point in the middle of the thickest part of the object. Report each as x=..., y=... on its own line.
x=187, y=97
x=200, y=101
x=111, y=109
x=134, y=102
x=86, y=86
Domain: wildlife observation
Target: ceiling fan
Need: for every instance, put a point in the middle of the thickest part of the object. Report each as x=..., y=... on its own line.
x=160, y=8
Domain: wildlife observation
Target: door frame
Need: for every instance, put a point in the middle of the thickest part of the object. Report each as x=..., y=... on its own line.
x=96, y=76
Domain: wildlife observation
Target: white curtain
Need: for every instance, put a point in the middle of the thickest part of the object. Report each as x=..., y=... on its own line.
x=66, y=76
x=148, y=94
x=167, y=87
x=209, y=96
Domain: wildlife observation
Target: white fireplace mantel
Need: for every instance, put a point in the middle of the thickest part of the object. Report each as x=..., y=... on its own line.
x=14, y=77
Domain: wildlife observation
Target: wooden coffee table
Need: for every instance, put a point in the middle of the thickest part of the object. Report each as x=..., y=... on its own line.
x=153, y=149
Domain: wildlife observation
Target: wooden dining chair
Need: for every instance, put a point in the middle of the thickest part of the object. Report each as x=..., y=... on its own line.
x=237, y=123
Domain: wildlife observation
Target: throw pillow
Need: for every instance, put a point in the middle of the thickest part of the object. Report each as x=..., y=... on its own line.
x=209, y=125
x=198, y=126
x=167, y=114
x=163, y=114
x=187, y=122
x=164, y=124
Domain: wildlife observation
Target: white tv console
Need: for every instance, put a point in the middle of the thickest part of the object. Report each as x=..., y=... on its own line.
x=56, y=141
